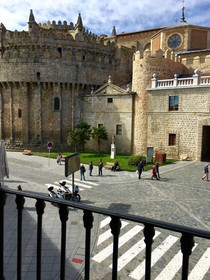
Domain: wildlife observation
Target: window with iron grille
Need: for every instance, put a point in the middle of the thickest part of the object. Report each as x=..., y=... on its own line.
x=118, y=129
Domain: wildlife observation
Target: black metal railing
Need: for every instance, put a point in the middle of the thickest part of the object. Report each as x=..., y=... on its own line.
x=186, y=234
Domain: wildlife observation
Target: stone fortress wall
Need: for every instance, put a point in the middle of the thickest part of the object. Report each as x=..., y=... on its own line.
x=47, y=62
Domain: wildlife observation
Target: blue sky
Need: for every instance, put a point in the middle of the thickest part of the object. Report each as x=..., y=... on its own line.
x=100, y=17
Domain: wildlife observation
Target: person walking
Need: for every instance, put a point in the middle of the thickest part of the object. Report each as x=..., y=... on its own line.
x=100, y=167
x=140, y=168
x=82, y=172
x=90, y=168
x=154, y=174
x=157, y=170
x=206, y=173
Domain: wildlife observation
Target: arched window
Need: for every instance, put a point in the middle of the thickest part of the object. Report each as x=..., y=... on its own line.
x=56, y=103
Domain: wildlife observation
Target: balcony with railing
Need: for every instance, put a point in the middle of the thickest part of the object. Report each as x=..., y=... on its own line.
x=150, y=227
x=196, y=80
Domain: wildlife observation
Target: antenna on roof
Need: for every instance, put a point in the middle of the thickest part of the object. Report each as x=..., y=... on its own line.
x=183, y=16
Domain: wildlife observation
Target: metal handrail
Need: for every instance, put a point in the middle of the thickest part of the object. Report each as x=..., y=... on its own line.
x=187, y=233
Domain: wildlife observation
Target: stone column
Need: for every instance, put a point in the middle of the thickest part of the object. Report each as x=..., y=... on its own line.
x=24, y=106
x=38, y=112
x=58, y=124
x=11, y=111
x=1, y=112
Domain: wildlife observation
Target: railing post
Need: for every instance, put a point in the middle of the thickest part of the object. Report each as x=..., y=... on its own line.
x=187, y=243
x=63, y=211
x=154, y=81
x=149, y=233
x=2, y=203
x=40, y=205
x=175, y=80
x=115, y=226
x=88, y=224
x=196, y=78
x=20, y=200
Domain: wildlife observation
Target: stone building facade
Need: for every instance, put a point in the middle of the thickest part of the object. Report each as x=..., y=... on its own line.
x=149, y=88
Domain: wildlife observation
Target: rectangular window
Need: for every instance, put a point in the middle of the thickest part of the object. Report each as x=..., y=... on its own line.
x=173, y=103
x=109, y=100
x=172, y=139
x=19, y=113
x=118, y=129
x=60, y=52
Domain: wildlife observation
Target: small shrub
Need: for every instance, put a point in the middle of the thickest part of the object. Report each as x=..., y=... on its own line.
x=134, y=160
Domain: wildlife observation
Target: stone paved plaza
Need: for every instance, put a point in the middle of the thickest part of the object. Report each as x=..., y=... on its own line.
x=180, y=197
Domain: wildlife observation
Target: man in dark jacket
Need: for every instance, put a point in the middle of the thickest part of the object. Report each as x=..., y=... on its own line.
x=140, y=167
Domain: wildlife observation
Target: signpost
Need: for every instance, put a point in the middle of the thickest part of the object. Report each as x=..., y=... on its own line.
x=72, y=164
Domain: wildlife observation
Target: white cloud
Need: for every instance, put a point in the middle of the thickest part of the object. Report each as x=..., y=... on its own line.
x=100, y=17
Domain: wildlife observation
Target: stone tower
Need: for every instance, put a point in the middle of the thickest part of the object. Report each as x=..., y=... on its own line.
x=164, y=65
x=44, y=74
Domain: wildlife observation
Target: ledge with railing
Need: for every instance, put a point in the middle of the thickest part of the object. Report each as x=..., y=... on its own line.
x=197, y=79
x=186, y=234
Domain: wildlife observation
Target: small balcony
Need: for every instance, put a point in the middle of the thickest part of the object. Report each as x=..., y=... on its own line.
x=13, y=205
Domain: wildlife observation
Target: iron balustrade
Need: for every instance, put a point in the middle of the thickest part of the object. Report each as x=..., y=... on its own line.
x=186, y=239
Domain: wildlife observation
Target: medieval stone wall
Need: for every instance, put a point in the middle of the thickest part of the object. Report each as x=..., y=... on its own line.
x=135, y=39
x=194, y=105
x=47, y=62
x=196, y=60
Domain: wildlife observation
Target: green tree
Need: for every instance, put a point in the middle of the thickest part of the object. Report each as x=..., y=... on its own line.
x=73, y=138
x=79, y=135
x=85, y=133
x=99, y=133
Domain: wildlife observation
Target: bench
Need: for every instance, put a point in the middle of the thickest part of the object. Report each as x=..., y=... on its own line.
x=27, y=152
x=184, y=157
x=109, y=165
x=63, y=158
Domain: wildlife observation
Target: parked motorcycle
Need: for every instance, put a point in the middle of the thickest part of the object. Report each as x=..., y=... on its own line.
x=64, y=192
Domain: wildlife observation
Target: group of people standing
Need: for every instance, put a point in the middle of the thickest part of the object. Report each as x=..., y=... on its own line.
x=83, y=170
x=155, y=170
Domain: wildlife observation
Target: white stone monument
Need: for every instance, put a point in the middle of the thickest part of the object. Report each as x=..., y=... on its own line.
x=113, y=148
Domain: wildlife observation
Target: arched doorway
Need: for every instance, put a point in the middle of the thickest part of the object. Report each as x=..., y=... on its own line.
x=205, y=148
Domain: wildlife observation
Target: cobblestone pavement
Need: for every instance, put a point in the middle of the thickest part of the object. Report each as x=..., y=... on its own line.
x=179, y=197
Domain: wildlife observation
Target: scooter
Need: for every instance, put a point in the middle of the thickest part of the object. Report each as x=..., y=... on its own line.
x=65, y=194
x=65, y=189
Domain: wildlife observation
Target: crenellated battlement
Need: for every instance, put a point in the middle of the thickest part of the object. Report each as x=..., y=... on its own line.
x=58, y=25
x=196, y=60
x=160, y=54
x=51, y=36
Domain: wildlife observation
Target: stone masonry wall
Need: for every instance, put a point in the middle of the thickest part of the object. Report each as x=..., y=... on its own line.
x=194, y=104
x=144, y=66
x=98, y=111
